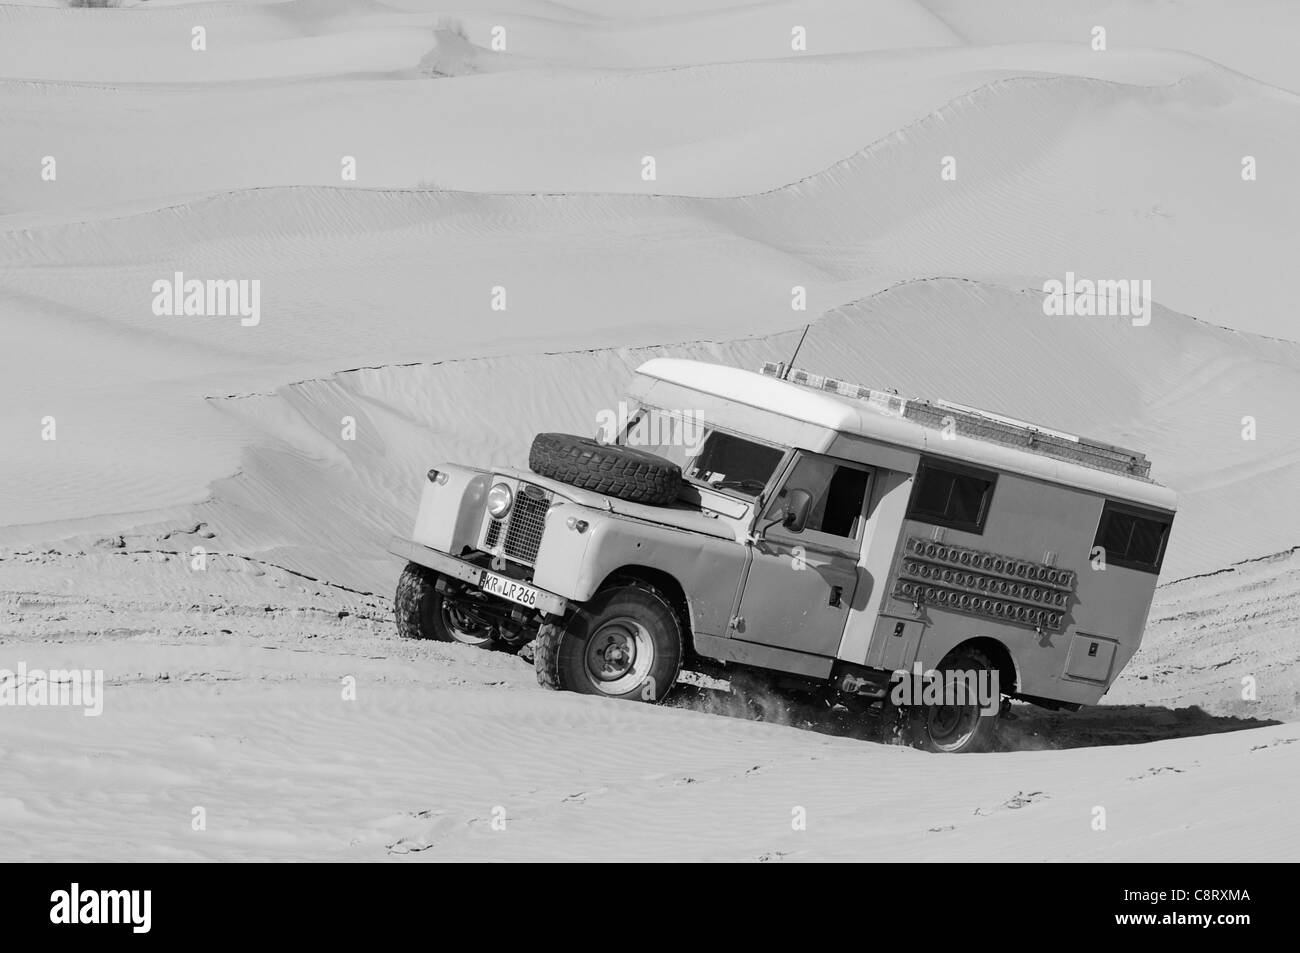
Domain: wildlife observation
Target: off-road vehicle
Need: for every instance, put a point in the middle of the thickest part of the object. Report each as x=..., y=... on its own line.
x=820, y=532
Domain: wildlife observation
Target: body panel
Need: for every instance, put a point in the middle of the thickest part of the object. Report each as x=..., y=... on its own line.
x=575, y=564
x=740, y=652
x=881, y=543
x=803, y=609
x=800, y=588
x=450, y=514
x=1045, y=524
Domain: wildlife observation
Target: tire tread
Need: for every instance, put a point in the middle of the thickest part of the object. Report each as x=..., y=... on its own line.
x=625, y=473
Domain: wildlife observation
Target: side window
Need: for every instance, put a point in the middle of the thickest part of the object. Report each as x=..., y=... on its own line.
x=839, y=491
x=1133, y=537
x=953, y=495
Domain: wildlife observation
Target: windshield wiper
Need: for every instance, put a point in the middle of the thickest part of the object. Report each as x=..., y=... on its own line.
x=757, y=486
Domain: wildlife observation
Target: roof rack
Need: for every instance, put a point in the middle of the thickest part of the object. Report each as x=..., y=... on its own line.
x=978, y=424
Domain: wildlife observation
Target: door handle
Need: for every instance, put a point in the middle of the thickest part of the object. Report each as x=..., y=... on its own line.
x=836, y=593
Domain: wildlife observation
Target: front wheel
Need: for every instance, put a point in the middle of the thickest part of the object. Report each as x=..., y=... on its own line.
x=625, y=643
x=960, y=725
x=422, y=612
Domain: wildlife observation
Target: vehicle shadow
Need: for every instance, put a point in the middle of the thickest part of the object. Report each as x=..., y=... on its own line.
x=1034, y=728
x=1026, y=728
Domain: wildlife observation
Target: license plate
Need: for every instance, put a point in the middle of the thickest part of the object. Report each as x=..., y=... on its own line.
x=508, y=588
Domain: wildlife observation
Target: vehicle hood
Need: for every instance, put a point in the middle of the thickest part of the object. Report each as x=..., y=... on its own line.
x=684, y=514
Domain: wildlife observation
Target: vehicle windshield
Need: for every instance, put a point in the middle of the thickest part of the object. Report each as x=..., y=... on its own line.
x=707, y=457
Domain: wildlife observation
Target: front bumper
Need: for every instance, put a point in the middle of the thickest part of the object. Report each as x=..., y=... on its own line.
x=547, y=602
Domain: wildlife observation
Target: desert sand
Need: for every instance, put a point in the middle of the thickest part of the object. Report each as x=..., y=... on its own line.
x=522, y=169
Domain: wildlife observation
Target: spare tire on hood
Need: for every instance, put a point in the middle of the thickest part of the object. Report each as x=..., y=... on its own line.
x=623, y=472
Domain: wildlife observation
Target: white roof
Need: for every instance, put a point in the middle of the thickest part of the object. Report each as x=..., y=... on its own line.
x=867, y=419
x=758, y=390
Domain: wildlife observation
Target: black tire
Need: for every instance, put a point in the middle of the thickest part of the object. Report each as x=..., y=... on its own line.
x=623, y=472
x=626, y=620
x=956, y=729
x=421, y=612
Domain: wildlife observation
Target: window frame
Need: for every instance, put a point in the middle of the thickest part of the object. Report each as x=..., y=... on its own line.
x=641, y=409
x=813, y=539
x=962, y=470
x=1110, y=507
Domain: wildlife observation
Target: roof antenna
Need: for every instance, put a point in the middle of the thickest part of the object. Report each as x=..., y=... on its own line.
x=789, y=367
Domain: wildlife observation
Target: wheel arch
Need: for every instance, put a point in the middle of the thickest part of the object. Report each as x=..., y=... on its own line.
x=664, y=582
x=1000, y=656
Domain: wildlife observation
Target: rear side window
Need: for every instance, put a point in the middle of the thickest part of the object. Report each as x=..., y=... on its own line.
x=1133, y=537
x=947, y=494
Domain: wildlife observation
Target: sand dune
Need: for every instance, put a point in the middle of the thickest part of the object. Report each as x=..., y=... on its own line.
x=734, y=128
x=1055, y=174
x=313, y=38
x=372, y=278
x=1209, y=633
x=1257, y=39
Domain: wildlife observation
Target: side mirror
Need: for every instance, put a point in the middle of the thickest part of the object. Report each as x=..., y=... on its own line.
x=797, y=505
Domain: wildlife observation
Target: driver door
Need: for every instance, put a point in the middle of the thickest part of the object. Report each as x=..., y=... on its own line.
x=800, y=586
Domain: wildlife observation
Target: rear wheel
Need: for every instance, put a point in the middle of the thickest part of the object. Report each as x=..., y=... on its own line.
x=958, y=728
x=422, y=612
x=626, y=643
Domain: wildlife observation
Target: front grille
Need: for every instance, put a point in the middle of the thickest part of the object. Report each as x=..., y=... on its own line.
x=522, y=527
x=527, y=519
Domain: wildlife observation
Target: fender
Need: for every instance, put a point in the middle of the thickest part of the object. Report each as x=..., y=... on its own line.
x=581, y=546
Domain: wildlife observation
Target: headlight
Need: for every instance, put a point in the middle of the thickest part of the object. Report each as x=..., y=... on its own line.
x=499, y=499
